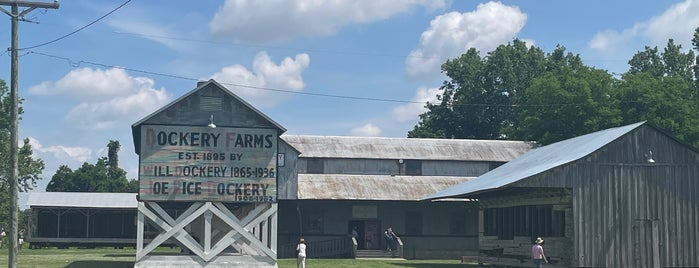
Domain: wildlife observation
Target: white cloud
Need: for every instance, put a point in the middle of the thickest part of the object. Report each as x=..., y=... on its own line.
x=366, y=130
x=77, y=154
x=677, y=22
x=610, y=40
x=265, y=74
x=279, y=20
x=107, y=98
x=411, y=111
x=452, y=34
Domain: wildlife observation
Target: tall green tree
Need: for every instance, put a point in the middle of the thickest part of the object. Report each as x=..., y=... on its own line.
x=566, y=102
x=103, y=176
x=665, y=95
x=519, y=93
x=29, y=168
x=480, y=99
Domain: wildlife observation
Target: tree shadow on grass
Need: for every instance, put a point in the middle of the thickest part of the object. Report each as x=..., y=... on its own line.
x=435, y=265
x=102, y=264
x=118, y=255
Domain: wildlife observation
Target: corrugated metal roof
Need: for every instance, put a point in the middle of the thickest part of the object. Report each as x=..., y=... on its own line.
x=82, y=200
x=537, y=161
x=407, y=148
x=372, y=187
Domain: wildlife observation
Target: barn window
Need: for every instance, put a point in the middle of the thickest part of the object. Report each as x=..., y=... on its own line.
x=315, y=166
x=413, y=167
x=532, y=221
x=413, y=222
x=490, y=228
x=457, y=224
x=314, y=222
x=559, y=223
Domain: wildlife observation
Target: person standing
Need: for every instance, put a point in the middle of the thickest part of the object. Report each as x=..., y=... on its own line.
x=538, y=252
x=390, y=238
x=301, y=256
x=21, y=239
x=2, y=235
x=355, y=234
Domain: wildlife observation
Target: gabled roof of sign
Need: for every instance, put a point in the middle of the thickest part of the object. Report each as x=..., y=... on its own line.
x=537, y=161
x=200, y=86
x=135, y=128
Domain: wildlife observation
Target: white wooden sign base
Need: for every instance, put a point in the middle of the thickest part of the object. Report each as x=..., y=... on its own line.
x=227, y=241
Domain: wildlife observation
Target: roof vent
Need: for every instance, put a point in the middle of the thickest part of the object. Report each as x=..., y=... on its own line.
x=210, y=103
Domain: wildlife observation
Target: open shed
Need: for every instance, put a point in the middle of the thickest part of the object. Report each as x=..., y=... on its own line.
x=81, y=219
x=621, y=197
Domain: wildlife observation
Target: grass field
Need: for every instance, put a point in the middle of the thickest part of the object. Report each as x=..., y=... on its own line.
x=121, y=258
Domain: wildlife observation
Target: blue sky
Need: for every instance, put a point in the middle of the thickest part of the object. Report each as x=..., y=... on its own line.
x=88, y=88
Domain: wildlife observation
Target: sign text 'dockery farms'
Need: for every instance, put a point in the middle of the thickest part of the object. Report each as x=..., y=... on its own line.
x=181, y=163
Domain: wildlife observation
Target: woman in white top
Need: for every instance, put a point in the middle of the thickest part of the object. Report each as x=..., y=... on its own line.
x=301, y=258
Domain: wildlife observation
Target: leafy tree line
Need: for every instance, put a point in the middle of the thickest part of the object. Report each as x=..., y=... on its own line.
x=521, y=93
x=103, y=176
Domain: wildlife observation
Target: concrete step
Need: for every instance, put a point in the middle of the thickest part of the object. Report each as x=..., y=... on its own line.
x=376, y=254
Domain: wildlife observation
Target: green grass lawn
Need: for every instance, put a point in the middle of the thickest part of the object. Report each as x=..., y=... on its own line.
x=121, y=258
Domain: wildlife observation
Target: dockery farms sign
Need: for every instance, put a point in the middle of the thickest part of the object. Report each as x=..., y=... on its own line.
x=181, y=163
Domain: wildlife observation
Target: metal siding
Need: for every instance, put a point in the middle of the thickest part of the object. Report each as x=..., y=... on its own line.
x=407, y=148
x=614, y=187
x=371, y=187
x=360, y=166
x=286, y=175
x=454, y=168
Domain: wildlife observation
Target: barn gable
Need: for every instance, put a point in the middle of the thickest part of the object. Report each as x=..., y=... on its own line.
x=208, y=100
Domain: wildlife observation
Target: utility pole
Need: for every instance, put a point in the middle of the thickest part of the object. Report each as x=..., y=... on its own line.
x=14, y=118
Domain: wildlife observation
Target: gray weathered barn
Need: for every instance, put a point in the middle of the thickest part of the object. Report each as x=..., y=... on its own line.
x=374, y=183
x=621, y=197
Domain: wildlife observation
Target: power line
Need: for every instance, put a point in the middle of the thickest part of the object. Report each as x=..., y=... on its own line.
x=274, y=47
x=328, y=51
x=79, y=29
x=76, y=64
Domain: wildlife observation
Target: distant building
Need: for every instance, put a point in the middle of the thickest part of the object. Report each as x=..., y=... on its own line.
x=621, y=197
x=81, y=219
x=374, y=183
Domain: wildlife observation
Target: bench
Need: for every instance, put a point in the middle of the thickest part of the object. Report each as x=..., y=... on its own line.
x=472, y=259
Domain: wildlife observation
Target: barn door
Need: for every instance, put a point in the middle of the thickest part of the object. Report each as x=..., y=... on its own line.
x=645, y=243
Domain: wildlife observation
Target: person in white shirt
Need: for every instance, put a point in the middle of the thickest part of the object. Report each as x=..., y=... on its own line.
x=301, y=257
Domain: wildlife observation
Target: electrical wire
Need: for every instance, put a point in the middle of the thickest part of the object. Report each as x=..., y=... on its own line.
x=275, y=47
x=79, y=29
x=76, y=64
